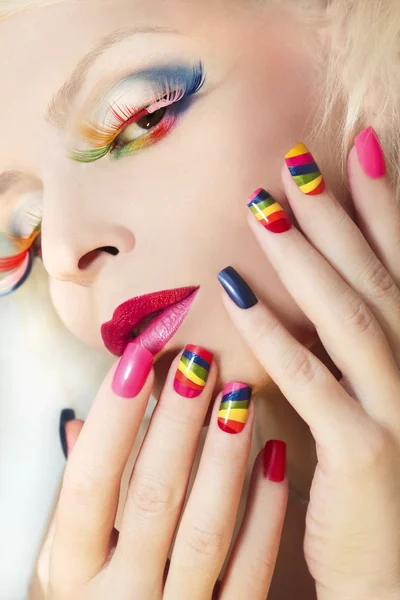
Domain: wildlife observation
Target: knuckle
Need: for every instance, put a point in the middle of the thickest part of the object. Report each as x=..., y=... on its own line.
x=267, y=329
x=380, y=282
x=369, y=455
x=299, y=366
x=150, y=494
x=260, y=569
x=206, y=540
x=358, y=316
x=174, y=421
x=81, y=486
x=374, y=452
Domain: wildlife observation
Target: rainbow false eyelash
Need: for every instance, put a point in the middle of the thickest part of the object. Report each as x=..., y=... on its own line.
x=169, y=85
x=18, y=262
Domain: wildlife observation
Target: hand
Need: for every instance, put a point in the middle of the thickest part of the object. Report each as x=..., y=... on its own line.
x=346, y=280
x=85, y=558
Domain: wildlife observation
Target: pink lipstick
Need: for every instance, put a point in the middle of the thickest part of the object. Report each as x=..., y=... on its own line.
x=151, y=320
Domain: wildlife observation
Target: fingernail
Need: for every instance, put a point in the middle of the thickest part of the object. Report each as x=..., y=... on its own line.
x=370, y=153
x=66, y=415
x=269, y=212
x=305, y=171
x=234, y=409
x=236, y=288
x=275, y=461
x=193, y=370
x=132, y=371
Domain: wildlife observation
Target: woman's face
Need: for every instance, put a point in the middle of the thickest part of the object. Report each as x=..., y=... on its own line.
x=165, y=208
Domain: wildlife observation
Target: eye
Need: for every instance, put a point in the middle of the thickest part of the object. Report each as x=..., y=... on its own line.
x=137, y=129
x=125, y=127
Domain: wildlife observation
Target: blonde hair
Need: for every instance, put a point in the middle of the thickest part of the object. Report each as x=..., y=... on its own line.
x=362, y=62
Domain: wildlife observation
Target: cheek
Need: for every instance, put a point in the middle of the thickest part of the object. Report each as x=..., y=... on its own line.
x=73, y=306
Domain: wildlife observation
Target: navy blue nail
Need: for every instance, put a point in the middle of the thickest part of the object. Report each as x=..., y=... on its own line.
x=66, y=415
x=236, y=288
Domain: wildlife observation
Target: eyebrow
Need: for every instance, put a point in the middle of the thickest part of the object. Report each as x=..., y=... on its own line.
x=58, y=109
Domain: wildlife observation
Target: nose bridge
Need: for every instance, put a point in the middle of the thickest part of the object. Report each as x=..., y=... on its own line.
x=75, y=227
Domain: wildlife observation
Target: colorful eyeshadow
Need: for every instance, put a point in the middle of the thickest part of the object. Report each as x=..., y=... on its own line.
x=166, y=87
x=269, y=212
x=305, y=171
x=234, y=409
x=193, y=370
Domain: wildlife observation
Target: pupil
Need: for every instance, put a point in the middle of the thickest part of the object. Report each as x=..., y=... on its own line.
x=149, y=121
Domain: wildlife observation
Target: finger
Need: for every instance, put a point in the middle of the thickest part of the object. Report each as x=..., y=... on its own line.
x=43, y=564
x=378, y=213
x=303, y=379
x=321, y=217
x=69, y=429
x=207, y=524
x=90, y=492
x=345, y=324
x=252, y=564
x=160, y=477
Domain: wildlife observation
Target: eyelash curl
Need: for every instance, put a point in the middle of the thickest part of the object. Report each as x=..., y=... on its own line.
x=17, y=266
x=170, y=85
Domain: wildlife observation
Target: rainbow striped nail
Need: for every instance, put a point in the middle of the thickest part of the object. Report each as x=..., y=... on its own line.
x=269, y=212
x=234, y=409
x=193, y=370
x=305, y=171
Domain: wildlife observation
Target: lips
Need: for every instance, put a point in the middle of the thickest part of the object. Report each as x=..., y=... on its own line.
x=151, y=320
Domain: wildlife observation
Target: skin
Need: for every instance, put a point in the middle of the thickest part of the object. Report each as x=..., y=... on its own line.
x=225, y=159
x=265, y=75
x=209, y=170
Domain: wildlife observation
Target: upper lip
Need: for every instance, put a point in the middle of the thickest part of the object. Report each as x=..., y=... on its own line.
x=117, y=333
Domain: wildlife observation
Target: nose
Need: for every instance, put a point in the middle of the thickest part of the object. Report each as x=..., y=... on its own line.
x=78, y=245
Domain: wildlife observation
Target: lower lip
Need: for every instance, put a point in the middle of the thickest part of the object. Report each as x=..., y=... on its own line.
x=159, y=332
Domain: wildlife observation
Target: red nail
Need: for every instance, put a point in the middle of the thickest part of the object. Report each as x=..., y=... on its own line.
x=370, y=153
x=275, y=460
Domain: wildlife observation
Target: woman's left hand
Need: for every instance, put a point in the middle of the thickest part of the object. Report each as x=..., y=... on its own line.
x=346, y=279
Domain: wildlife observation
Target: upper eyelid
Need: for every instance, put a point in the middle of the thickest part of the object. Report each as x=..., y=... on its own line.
x=176, y=76
x=151, y=73
x=59, y=108
x=174, y=81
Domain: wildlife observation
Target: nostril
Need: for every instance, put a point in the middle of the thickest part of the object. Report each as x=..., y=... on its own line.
x=90, y=257
x=110, y=249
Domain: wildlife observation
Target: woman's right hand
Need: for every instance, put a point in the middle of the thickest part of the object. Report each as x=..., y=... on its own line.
x=86, y=558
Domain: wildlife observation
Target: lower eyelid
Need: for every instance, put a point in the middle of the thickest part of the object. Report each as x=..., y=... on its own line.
x=145, y=140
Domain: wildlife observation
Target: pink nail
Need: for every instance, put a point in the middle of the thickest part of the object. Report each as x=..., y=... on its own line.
x=370, y=153
x=132, y=371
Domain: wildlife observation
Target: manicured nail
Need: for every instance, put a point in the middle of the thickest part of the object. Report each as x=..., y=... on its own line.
x=305, y=171
x=275, y=461
x=269, y=212
x=370, y=153
x=234, y=409
x=66, y=415
x=236, y=288
x=132, y=371
x=193, y=370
